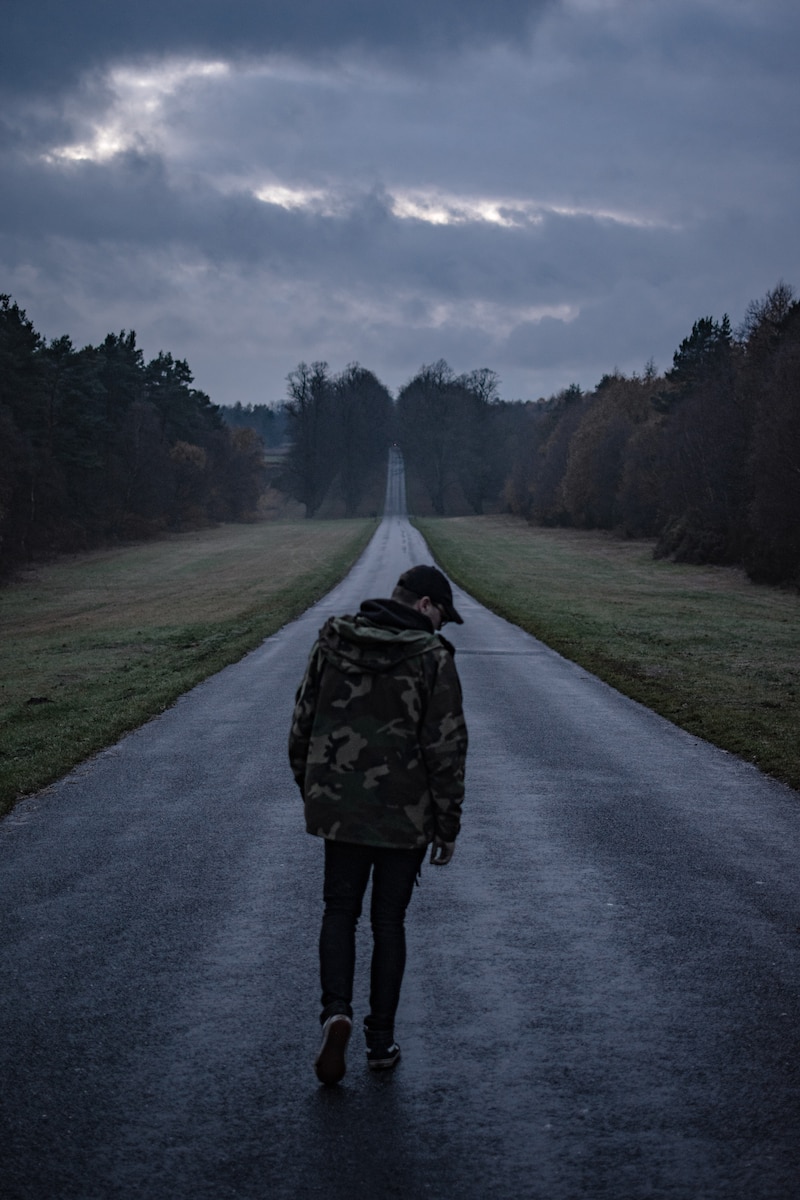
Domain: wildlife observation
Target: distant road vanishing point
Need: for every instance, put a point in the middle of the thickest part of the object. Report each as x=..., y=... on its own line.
x=603, y=993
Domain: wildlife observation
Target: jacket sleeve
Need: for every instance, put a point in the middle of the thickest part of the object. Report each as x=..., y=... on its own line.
x=443, y=738
x=305, y=707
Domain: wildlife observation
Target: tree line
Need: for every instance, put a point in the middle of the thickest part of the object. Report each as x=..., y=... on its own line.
x=97, y=445
x=339, y=429
x=451, y=429
x=705, y=458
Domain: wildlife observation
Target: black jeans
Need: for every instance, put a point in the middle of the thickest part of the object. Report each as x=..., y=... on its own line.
x=347, y=872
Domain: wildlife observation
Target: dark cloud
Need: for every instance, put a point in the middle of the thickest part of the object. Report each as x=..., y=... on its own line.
x=642, y=152
x=131, y=200
x=46, y=44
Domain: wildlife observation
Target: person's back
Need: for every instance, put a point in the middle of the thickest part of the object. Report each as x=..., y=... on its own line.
x=380, y=764
x=378, y=747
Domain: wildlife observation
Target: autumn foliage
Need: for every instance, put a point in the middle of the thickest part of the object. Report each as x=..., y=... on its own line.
x=705, y=459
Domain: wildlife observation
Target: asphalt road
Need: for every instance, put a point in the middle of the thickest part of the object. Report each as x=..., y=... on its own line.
x=602, y=992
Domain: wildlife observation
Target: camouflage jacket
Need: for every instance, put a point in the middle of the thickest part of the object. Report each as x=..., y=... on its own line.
x=378, y=740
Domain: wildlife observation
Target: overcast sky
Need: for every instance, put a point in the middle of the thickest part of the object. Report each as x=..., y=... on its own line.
x=550, y=188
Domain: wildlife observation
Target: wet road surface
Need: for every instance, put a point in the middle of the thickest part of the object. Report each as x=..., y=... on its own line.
x=603, y=992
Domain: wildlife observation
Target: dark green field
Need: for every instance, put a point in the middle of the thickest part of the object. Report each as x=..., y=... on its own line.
x=703, y=646
x=94, y=645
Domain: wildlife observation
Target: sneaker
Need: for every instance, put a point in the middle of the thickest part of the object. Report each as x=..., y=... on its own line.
x=382, y=1056
x=330, y=1065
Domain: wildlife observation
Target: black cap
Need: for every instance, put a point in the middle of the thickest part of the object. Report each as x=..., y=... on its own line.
x=429, y=581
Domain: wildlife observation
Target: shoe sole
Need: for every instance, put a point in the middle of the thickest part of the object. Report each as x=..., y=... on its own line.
x=383, y=1064
x=330, y=1065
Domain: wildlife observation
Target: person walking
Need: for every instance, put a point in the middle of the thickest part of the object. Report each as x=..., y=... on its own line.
x=378, y=747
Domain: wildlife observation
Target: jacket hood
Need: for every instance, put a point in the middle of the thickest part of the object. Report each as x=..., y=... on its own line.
x=383, y=634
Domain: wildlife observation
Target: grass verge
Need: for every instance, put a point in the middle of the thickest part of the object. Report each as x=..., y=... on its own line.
x=703, y=646
x=94, y=645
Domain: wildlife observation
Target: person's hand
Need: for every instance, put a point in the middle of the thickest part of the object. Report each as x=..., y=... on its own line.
x=442, y=852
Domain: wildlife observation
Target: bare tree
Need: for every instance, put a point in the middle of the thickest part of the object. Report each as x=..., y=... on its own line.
x=312, y=461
